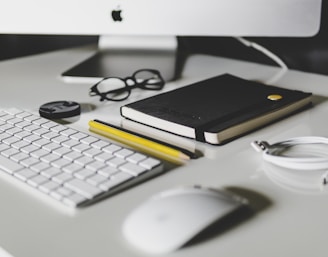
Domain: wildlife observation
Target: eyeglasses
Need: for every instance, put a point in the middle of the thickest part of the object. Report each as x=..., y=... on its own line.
x=119, y=89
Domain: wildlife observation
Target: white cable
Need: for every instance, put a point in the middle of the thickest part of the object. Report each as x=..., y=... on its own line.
x=269, y=54
x=270, y=153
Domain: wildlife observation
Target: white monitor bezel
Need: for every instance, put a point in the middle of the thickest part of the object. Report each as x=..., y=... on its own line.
x=163, y=17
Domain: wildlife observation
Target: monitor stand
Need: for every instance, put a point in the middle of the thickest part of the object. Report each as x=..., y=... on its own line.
x=121, y=56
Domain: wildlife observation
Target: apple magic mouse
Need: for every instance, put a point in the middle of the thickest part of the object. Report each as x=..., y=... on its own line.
x=170, y=219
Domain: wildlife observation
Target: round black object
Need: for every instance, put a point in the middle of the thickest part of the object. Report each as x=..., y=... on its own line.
x=60, y=110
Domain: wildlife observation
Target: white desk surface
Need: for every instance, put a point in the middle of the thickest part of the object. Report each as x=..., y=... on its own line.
x=290, y=216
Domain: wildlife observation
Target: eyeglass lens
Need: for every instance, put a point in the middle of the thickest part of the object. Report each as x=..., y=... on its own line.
x=118, y=89
x=149, y=79
x=114, y=89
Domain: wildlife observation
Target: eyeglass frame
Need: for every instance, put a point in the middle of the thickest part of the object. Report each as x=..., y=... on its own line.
x=127, y=88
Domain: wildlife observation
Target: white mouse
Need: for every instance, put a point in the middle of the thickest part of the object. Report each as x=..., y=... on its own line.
x=170, y=219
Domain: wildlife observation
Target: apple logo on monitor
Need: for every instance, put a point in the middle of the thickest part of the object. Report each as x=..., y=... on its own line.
x=117, y=14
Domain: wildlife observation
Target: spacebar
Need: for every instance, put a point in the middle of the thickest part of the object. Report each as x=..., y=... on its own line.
x=83, y=188
x=9, y=166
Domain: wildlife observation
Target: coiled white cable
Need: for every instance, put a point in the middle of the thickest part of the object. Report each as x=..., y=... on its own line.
x=273, y=154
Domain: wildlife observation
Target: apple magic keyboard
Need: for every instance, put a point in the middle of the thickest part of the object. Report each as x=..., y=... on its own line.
x=66, y=165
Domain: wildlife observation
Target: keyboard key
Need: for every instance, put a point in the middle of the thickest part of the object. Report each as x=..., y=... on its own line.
x=61, y=192
x=10, y=140
x=115, y=162
x=51, y=172
x=74, y=200
x=39, y=153
x=49, y=186
x=7, y=117
x=40, y=167
x=81, y=148
x=23, y=115
x=61, y=151
x=13, y=111
x=95, y=165
x=123, y=153
x=29, y=161
x=70, y=143
x=108, y=171
x=25, y=174
x=37, y=180
x=92, y=152
x=40, y=121
x=72, y=168
x=3, y=147
x=136, y=158
x=14, y=130
x=89, y=140
x=68, y=132
x=15, y=121
x=115, y=180
x=132, y=169
x=30, y=117
x=31, y=128
x=22, y=124
x=29, y=148
x=78, y=136
x=9, y=166
x=51, y=147
x=59, y=139
x=23, y=134
x=5, y=127
x=48, y=125
x=19, y=157
x=62, y=178
x=84, y=173
x=83, y=161
x=112, y=148
x=150, y=163
x=20, y=144
x=64, y=191
x=41, y=142
x=60, y=163
x=96, y=179
x=4, y=135
x=58, y=128
x=50, y=135
x=9, y=152
x=50, y=158
x=104, y=157
x=32, y=138
x=100, y=144
x=72, y=156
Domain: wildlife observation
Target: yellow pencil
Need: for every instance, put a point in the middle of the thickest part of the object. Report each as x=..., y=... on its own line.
x=139, y=143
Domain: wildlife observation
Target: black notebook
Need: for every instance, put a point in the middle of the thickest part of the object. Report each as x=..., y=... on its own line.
x=217, y=109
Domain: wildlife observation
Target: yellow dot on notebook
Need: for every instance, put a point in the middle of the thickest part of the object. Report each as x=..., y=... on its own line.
x=274, y=97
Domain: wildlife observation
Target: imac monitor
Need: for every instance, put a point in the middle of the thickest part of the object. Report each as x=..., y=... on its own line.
x=135, y=33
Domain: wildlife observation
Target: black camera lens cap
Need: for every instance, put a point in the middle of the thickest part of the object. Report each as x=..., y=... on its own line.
x=60, y=110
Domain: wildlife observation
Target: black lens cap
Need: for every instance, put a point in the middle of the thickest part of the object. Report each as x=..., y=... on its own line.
x=60, y=110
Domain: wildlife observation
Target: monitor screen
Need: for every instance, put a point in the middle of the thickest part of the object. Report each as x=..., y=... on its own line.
x=152, y=25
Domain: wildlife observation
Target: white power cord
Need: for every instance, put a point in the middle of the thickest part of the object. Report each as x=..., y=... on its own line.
x=272, y=153
x=269, y=54
x=312, y=160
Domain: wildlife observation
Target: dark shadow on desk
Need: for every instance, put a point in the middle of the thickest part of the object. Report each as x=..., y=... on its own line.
x=124, y=63
x=257, y=203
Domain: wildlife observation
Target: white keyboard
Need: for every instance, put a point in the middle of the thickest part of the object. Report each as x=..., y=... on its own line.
x=67, y=165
